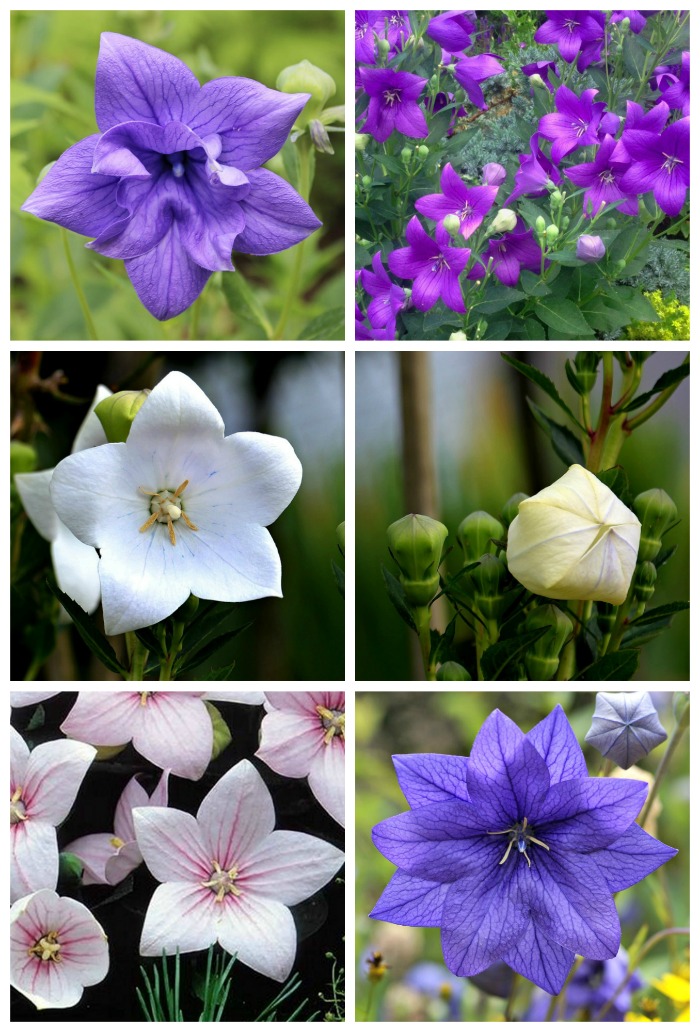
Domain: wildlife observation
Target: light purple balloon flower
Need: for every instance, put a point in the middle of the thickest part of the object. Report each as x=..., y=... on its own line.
x=173, y=181
x=433, y=265
x=515, y=852
x=494, y=174
x=469, y=203
x=393, y=103
x=590, y=248
x=660, y=163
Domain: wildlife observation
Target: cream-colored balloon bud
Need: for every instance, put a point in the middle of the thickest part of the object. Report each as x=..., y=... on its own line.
x=574, y=540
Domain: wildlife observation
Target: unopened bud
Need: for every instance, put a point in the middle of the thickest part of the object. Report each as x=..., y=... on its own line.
x=504, y=222
x=319, y=137
x=644, y=581
x=222, y=735
x=510, y=509
x=434, y=82
x=542, y=657
x=416, y=543
x=383, y=47
x=477, y=534
x=590, y=248
x=586, y=363
x=625, y=727
x=361, y=141
x=366, y=180
x=423, y=152
x=307, y=78
x=540, y=225
x=488, y=579
x=552, y=234
x=620, y=265
x=452, y=672
x=607, y=614
x=117, y=413
x=656, y=511
x=23, y=457
x=406, y=155
x=452, y=224
x=537, y=80
x=458, y=335
x=556, y=198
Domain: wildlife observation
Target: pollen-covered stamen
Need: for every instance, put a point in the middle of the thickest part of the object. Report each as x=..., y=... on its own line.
x=116, y=842
x=47, y=948
x=392, y=97
x=221, y=882
x=18, y=811
x=520, y=836
x=607, y=176
x=466, y=211
x=333, y=722
x=439, y=263
x=670, y=162
x=166, y=506
x=571, y=25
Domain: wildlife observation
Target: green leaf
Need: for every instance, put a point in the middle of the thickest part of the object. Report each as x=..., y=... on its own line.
x=496, y=299
x=533, y=330
x=363, y=258
x=220, y=674
x=602, y=316
x=563, y=316
x=651, y=623
x=329, y=325
x=193, y=659
x=498, y=330
x=618, y=666
x=542, y=381
x=633, y=56
x=441, y=647
x=87, y=630
x=533, y=285
x=290, y=160
x=440, y=123
x=339, y=577
x=503, y=654
x=565, y=444
x=397, y=597
x=146, y=636
x=668, y=379
x=242, y=301
x=633, y=302
x=617, y=480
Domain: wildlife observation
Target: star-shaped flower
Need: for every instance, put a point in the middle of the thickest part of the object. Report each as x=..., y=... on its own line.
x=574, y=124
x=433, y=265
x=173, y=180
x=43, y=787
x=452, y=30
x=303, y=735
x=576, y=34
x=393, y=103
x=387, y=298
x=178, y=508
x=625, y=727
x=515, y=852
x=535, y=174
x=74, y=563
x=469, y=203
x=510, y=253
x=228, y=877
x=660, y=163
x=602, y=178
x=470, y=71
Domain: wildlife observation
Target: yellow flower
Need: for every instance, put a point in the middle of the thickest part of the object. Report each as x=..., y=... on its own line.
x=677, y=988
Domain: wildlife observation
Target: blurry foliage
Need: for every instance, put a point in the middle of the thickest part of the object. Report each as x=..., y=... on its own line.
x=670, y=267
x=297, y=637
x=54, y=54
x=447, y=722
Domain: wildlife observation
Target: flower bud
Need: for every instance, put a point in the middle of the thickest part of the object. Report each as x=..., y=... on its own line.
x=475, y=533
x=565, y=222
x=537, y=80
x=70, y=871
x=452, y=672
x=383, y=47
x=644, y=581
x=552, y=234
x=625, y=727
x=319, y=137
x=406, y=155
x=458, y=335
x=624, y=26
x=307, y=78
x=488, y=579
x=657, y=511
x=222, y=735
x=556, y=198
x=367, y=181
x=606, y=617
x=117, y=412
x=416, y=543
x=494, y=174
x=620, y=265
x=540, y=225
x=574, y=540
x=23, y=457
x=590, y=248
x=587, y=363
x=510, y=509
x=542, y=657
x=504, y=222
x=452, y=224
x=361, y=141
x=434, y=81
x=423, y=152
x=340, y=534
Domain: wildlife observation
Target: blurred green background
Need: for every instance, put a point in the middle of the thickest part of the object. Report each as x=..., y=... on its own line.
x=487, y=447
x=388, y=723
x=53, y=59
x=297, y=395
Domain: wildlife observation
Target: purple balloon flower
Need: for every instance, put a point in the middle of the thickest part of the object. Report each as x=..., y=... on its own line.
x=391, y=25
x=433, y=265
x=393, y=103
x=387, y=298
x=602, y=178
x=470, y=71
x=172, y=182
x=510, y=254
x=469, y=203
x=452, y=30
x=590, y=248
x=593, y=984
x=515, y=852
x=575, y=123
x=625, y=727
x=576, y=33
x=494, y=174
x=653, y=121
x=535, y=174
x=677, y=94
x=660, y=163
x=541, y=68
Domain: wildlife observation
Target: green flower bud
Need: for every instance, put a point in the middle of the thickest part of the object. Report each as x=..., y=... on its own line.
x=565, y=222
x=458, y=335
x=460, y=96
x=540, y=225
x=510, y=509
x=644, y=581
x=537, y=80
x=556, y=198
x=434, y=80
x=452, y=672
x=70, y=870
x=586, y=363
x=552, y=234
x=340, y=534
x=307, y=78
x=416, y=543
x=504, y=221
x=423, y=152
x=23, y=458
x=406, y=154
x=475, y=533
x=488, y=579
x=361, y=141
x=367, y=181
x=607, y=614
x=222, y=735
x=610, y=223
x=452, y=224
x=383, y=47
x=542, y=657
x=620, y=266
x=624, y=26
x=117, y=412
x=656, y=511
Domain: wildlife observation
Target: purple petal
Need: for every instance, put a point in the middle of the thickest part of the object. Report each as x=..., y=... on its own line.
x=588, y=814
x=631, y=858
x=411, y=901
x=450, y=290
x=70, y=195
x=440, y=842
x=540, y=960
x=426, y=289
x=431, y=777
x=276, y=217
x=558, y=746
x=115, y=153
x=139, y=83
x=252, y=120
x=166, y=279
x=410, y=120
x=404, y=263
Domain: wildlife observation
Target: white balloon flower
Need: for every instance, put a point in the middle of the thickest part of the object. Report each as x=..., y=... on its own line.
x=178, y=508
x=574, y=540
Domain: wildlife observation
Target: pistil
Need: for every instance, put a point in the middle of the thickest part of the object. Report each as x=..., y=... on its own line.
x=166, y=507
x=47, y=948
x=519, y=835
x=221, y=882
x=333, y=722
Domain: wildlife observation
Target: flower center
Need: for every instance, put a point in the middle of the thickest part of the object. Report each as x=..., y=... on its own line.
x=440, y=263
x=670, y=162
x=607, y=176
x=116, y=842
x=221, y=882
x=166, y=507
x=392, y=97
x=521, y=836
x=333, y=723
x=465, y=212
x=571, y=25
x=178, y=161
x=18, y=811
x=580, y=126
x=47, y=948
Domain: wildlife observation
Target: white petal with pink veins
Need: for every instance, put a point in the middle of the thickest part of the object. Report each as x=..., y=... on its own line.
x=33, y=858
x=262, y=934
x=172, y=844
x=327, y=780
x=290, y=742
x=289, y=867
x=52, y=779
x=179, y=916
x=236, y=815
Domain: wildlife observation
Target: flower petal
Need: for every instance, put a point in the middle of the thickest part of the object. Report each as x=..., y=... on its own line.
x=33, y=857
x=261, y=475
x=34, y=492
x=236, y=816
x=289, y=742
x=172, y=845
x=276, y=217
x=261, y=933
x=137, y=82
x=179, y=917
x=166, y=279
x=632, y=856
x=102, y=719
x=93, y=851
x=54, y=775
x=431, y=778
x=289, y=866
x=75, y=565
x=540, y=960
x=590, y=813
x=133, y=795
x=440, y=842
x=174, y=731
x=558, y=746
x=411, y=901
x=327, y=779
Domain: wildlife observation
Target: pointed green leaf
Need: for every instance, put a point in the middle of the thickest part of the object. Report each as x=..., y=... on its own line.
x=193, y=659
x=563, y=316
x=499, y=657
x=243, y=302
x=329, y=325
x=542, y=381
x=668, y=379
x=618, y=666
x=397, y=597
x=87, y=630
x=565, y=444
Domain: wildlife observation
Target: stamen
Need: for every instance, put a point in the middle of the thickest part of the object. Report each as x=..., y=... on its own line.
x=333, y=722
x=166, y=506
x=507, y=853
x=222, y=881
x=149, y=522
x=47, y=948
x=17, y=808
x=519, y=835
x=116, y=842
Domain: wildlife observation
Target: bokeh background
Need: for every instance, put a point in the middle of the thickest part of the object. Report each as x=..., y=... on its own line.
x=297, y=395
x=447, y=722
x=53, y=58
x=487, y=446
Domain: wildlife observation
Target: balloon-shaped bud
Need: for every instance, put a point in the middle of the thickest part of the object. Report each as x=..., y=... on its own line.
x=625, y=727
x=590, y=248
x=423, y=152
x=452, y=224
x=504, y=222
x=586, y=363
x=574, y=540
x=657, y=511
x=23, y=458
x=644, y=581
x=117, y=413
x=494, y=174
x=542, y=657
x=458, y=335
x=307, y=78
x=361, y=141
x=416, y=543
x=489, y=578
x=477, y=534
x=452, y=672
x=510, y=509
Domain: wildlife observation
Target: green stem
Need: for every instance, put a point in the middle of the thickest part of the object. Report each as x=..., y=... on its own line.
x=510, y=1005
x=421, y=616
x=561, y=995
x=92, y=332
x=605, y=411
x=194, y=318
x=166, y=666
x=646, y=948
x=305, y=182
x=679, y=730
x=33, y=669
